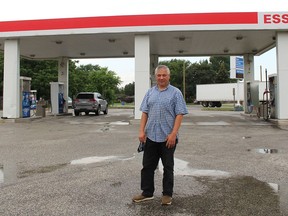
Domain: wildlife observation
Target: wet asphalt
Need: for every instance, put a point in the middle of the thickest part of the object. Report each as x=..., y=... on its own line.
x=226, y=163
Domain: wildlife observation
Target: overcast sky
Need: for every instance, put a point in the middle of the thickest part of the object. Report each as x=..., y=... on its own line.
x=41, y=9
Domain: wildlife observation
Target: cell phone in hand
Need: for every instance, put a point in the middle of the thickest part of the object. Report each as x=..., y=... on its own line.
x=141, y=147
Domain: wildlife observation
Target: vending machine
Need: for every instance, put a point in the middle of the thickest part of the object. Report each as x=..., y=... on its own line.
x=25, y=88
x=57, y=97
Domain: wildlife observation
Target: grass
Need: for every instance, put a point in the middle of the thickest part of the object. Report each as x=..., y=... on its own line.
x=122, y=106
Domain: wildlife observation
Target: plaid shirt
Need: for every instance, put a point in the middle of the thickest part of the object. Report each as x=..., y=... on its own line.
x=162, y=108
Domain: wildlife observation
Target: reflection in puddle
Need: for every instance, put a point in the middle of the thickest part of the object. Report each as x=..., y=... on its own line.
x=181, y=168
x=282, y=192
x=219, y=123
x=90, y=160
x=274, y=186
x=119, y=123
x=8, y=172
x=265, y=151
x=1, y=175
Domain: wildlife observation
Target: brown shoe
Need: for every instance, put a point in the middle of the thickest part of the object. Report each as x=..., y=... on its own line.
x=166, y=200
x=141, y=198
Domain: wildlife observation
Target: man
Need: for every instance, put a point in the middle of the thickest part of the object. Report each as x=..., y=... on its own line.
x=162, y=109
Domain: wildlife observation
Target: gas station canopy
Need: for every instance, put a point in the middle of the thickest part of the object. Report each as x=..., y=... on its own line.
x=201, y=34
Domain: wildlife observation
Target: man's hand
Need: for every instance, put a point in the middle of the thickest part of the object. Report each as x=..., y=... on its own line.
x=142, y=137
x=171, y=140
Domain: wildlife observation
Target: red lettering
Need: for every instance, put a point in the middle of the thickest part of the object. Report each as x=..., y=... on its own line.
x=285, y=18
x=276, y=18
x=267, y=18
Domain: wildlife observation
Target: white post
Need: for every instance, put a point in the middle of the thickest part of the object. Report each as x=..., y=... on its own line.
x=237, y=94
x=154, y=64
x=282, y=76
x=248, y=78
x=11, y=88
x=142, y=70
x=63, y=77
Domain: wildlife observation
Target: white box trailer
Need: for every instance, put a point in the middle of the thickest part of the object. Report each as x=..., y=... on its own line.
x=214, y=95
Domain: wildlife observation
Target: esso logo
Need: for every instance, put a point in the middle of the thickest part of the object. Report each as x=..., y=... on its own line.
x=275, y=18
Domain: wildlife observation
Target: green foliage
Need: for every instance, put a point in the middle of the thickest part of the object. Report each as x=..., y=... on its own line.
x=42, y=73
x=216, y=70
x=176, y=71
x=129, y=89
x=221, y=66
x=81, y=78
x=95, y=78
x=78, y=78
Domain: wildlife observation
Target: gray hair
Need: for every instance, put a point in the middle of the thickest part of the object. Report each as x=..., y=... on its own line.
x=159, y=67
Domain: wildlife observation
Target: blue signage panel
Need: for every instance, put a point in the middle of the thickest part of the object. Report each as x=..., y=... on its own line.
x=239, y=73
x=239, y=63
x=25, y=104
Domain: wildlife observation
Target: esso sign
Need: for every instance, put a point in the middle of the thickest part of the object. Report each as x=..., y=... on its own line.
x=276, y=18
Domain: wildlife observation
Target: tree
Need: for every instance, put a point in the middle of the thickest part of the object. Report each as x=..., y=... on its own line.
x=78, y=78
x=104, y=81
x=42, y=73
x=129, y=89
x=197, y=73
x=95, y=78
x=221, y=66
x=92, y=78
x=176, y=71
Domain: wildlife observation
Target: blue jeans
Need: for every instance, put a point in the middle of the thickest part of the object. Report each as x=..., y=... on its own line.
x=152, y=153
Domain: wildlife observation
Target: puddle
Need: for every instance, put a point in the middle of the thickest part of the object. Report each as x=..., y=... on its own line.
x=39, y=170
x=281, y=190
x=265, y=151
x=106, y=128
x=235, y=195
x=90, y=160
x=87, y=123
x=8, y=172
x=188, y=123
x=1, y=175
x=181, y=167
x=219, y=123
x=274, y=186
x=119, y=123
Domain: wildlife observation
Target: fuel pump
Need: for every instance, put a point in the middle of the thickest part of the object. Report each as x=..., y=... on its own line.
x=25, y=86
x=273, y=98
x=249, y=99
x=57, y=97
x=253, y=90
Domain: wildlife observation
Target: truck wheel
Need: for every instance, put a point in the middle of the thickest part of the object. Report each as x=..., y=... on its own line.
x=76, y=113
x=205, y=104
x=218, y=104
x=211, y=104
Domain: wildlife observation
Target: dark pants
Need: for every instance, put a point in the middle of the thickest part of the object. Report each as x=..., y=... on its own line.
x=152, y=153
